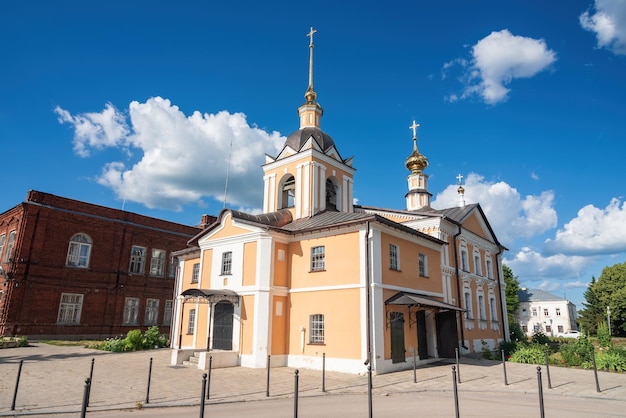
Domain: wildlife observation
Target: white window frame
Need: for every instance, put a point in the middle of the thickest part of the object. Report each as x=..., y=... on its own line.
x=191, y=323
x=481, y=307
x=478, y=269
x=489, y=269
x=195, y=273
x=546, y=312
x=227, y=263
x=79, y=251
x=493, y=312
x=137, y=260
x=3, y=239
x=131, y=311
x=394, y=257
x=318, y=258
x=558, y=311
x=70, y=309
x=316, y=329
x=10, y=244
x=534, y=311
x=167, y=313
x=152, y=312
x=464, y=260
x=423, y=265
x=467, y=298
x=157, y=263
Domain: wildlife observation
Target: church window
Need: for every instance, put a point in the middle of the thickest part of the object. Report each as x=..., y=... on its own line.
x=394, y=259
x=227, y=262
x=9, y=253
x=318, y=258
x=79, y=251
x=316, y=329
x=331, y=195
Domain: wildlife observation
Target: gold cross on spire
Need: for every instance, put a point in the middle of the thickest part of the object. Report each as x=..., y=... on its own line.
x=460, y=179
x=414, y=127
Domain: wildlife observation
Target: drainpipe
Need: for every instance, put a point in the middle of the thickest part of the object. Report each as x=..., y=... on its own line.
x=368, y=296
x=505, y=337
x=458, y=286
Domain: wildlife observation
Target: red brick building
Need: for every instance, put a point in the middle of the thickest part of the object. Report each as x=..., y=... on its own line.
x=74, y=269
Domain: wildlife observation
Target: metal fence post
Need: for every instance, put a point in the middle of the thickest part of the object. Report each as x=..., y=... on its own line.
x=541, y=410
x=595, y=369
x=414, y=367
x=208, y=384
x=267, y=388
x=369, y=390
x=149, y=378
x=93, y=360
x=295, y=395
x=202, y=395
x=83, y=411
x=458, y=365
x=506, y=382
x=456, y=392
x=323, y=372
x=17, y=384
x=548, y=370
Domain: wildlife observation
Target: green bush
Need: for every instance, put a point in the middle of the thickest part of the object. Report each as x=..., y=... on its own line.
x=516, y=333
x=509, y=347
x=22, y=341
x=529, y=354
x=152, y=338
x=604, y=336
x=613, y=359
x=577, y=353
x=540, y=338
x=133, y=340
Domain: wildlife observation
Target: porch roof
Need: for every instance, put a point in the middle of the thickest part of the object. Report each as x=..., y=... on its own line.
x=211, y=295
x=412, y=299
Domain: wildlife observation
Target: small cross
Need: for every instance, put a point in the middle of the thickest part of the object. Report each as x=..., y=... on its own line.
x=310, y=35
x=414, y=127
x=460, y=179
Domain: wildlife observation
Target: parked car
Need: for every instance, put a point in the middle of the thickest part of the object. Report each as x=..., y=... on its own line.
x=571, y=334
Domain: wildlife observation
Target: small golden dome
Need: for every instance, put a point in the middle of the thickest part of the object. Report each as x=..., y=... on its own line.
x=310, y=95
x=416, y=162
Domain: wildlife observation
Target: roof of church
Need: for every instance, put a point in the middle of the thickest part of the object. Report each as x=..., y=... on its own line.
x=456, y=213
x=536, y=295
x=297, y=139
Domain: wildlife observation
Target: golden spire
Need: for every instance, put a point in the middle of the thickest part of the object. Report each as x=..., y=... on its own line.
x=310, y=94
x=416, y=162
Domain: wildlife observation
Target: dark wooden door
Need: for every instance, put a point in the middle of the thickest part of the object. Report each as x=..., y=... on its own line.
x=223, y=326
x=397, y=337
x=446, y=333
x=422, y=339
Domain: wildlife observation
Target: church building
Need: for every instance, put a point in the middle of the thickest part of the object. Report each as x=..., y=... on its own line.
x=317, y=278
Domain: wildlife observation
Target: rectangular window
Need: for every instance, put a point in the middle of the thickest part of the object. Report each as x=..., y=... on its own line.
x=157, y=263
x=131, y=310
x=227, y=262
x=9, y=251
x=464, y=263
x=492, y=309
x=195, y=274
x=423, y=265
x=191, y=325
x=70, y=308
x=317, y=258
x=534, y=311
x=152, y=312
x=316, y=329
x=468, y=305
x=489, y=272
x=560, y=329
x=477, y=266
x=3, y=238
x=525, y=328
x=137, y=260
x=167, y=313
x=545, y=312
x=558, y=311
x=481, y=308
x=548, y=328
x=393, y=257
x=171, y=270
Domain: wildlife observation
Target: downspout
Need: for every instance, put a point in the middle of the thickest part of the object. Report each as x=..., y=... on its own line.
x=458, y=286
x=505, y=337
x=368, y=296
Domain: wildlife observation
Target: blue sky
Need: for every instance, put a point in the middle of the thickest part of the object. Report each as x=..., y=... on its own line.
x=135, y=105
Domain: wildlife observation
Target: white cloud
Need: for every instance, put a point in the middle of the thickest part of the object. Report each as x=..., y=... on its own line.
x=549, y=286
x=531, y=265
x=608, y=23
x=496, y=60
x=576, y=285
x=593, y=231
x=510, y=215
x=183, y=158
x=96, y=130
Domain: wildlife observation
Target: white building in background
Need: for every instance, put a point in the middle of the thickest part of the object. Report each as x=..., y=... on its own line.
x=545, y=312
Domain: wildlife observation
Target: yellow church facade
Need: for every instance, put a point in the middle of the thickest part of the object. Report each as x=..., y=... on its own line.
x=317, y=278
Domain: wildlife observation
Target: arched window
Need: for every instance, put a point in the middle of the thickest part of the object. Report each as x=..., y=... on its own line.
x=79, y=251
x=287, y=193
x=331, y=195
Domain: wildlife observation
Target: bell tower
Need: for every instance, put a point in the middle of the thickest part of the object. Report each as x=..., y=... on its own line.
x=418, y=196
x=309, y=175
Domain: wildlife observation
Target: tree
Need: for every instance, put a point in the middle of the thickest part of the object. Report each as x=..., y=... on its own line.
x=611, y=291
x=511, y=292
x=593, y=311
